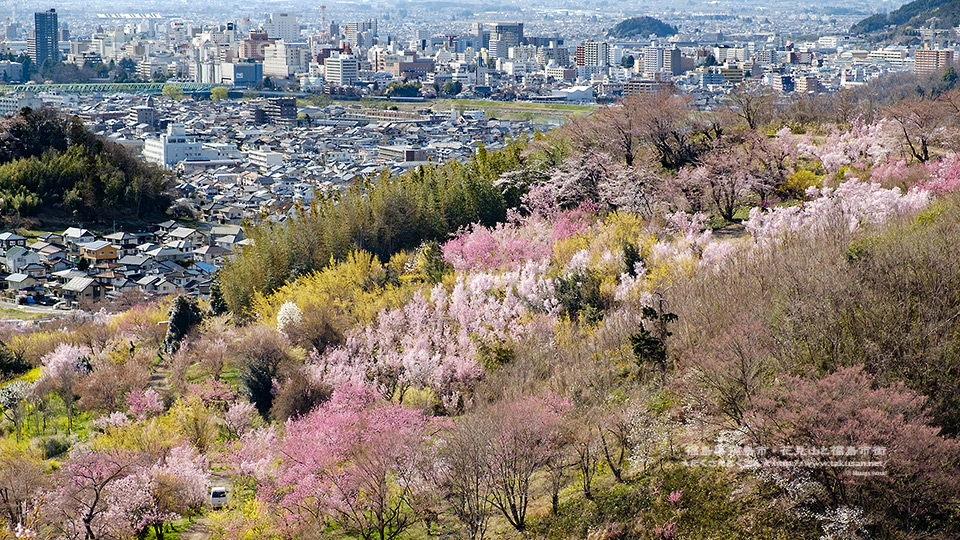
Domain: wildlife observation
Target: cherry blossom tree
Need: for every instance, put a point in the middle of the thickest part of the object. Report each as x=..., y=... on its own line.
x=150, y=497
x=728, y=177
x=845, y=413
x=356, y=459
x=143, y=403
x=288, y=317
x=79, y=506
x=61, y=369
x=13, y=402
x=433, y=341
x=839, y=210
x=240, y=418
x=944, y=176
x=525, y=436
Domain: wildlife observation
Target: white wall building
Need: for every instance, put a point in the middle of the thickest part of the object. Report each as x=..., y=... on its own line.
x=172, y=147
x=282, y=59
x=341, y=69
x=282, y=26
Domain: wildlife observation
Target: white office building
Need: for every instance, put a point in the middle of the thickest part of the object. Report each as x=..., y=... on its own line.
x=282, y=59
x=172, y=147
x=341, y=69
x=282, y=26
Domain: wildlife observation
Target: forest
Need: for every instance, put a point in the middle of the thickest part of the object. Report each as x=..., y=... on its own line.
x=652, y=323
x=53, y=168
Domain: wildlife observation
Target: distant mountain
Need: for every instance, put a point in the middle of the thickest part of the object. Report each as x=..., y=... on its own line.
x=642, y=27
x=913, y=14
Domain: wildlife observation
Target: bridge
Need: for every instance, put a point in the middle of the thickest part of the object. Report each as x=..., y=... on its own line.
x=109, y=88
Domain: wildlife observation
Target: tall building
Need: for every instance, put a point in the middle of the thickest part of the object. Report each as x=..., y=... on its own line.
x=931, y=61
x=592, y=53
x=503, y=37
x=672, y=61
x=509, y=33
x=283, y=26
x=358, y=33
x=341, y=69
x=281, y=111
x=282, y=59
x=653, y=59
x=44, y=40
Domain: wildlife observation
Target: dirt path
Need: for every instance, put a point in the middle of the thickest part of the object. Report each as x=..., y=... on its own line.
x=200, y=529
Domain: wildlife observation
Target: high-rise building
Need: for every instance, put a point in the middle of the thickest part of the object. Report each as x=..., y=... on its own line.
x=356, y=31
x=672, y=61
x=931, y=61
x=341, y=69
x=281, y=111
x=12, y=31
x=509, y=33
x=44, y=40
x=653, y=59
x=592, y=53
x=503, y=37
x=283, y=26
x=282, y=59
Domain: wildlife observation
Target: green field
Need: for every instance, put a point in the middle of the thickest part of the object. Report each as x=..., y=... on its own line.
x=505, y=110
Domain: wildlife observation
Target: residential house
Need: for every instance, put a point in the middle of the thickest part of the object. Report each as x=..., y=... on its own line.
x=17, y=257
x=99, y=250
x=185, y=234
x=126, y=242
x=136, y=264
x=36, y=270
x=21, y=282
x=156, y=284
x=9, y=240
x=74, y=237
x=82, y=288
x=64, y=276
x=210, y=254
x=51, y=238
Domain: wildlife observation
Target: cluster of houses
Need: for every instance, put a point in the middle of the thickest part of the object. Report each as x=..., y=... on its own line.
x=77, y=266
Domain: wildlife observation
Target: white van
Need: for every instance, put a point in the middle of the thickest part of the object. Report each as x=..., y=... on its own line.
x=218, y=497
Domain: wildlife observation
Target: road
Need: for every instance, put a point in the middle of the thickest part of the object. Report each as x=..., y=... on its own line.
x=199, y=529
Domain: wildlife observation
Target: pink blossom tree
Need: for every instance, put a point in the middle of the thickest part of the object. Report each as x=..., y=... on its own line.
x=61, y=370
x=845, y=413
x=846, y=208
x=525, y=436
x=356, y=459
x=143, y=403
x=434, y=341
x=151, y=497
x=79, y=507
x=240, y=418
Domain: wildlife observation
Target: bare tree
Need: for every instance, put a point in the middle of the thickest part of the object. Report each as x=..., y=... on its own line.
x=922, y=123
x=752, y=104
x=466, y=459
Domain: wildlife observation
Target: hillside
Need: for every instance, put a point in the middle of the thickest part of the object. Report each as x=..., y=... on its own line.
x=914, y=14
x=641, y=27
x=714, y=327
x=53, y=169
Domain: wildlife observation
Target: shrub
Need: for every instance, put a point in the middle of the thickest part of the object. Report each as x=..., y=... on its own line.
x=580, y=298
x=51, y=447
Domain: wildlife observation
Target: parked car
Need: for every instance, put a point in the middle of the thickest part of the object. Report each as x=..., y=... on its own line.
x=218, y=497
